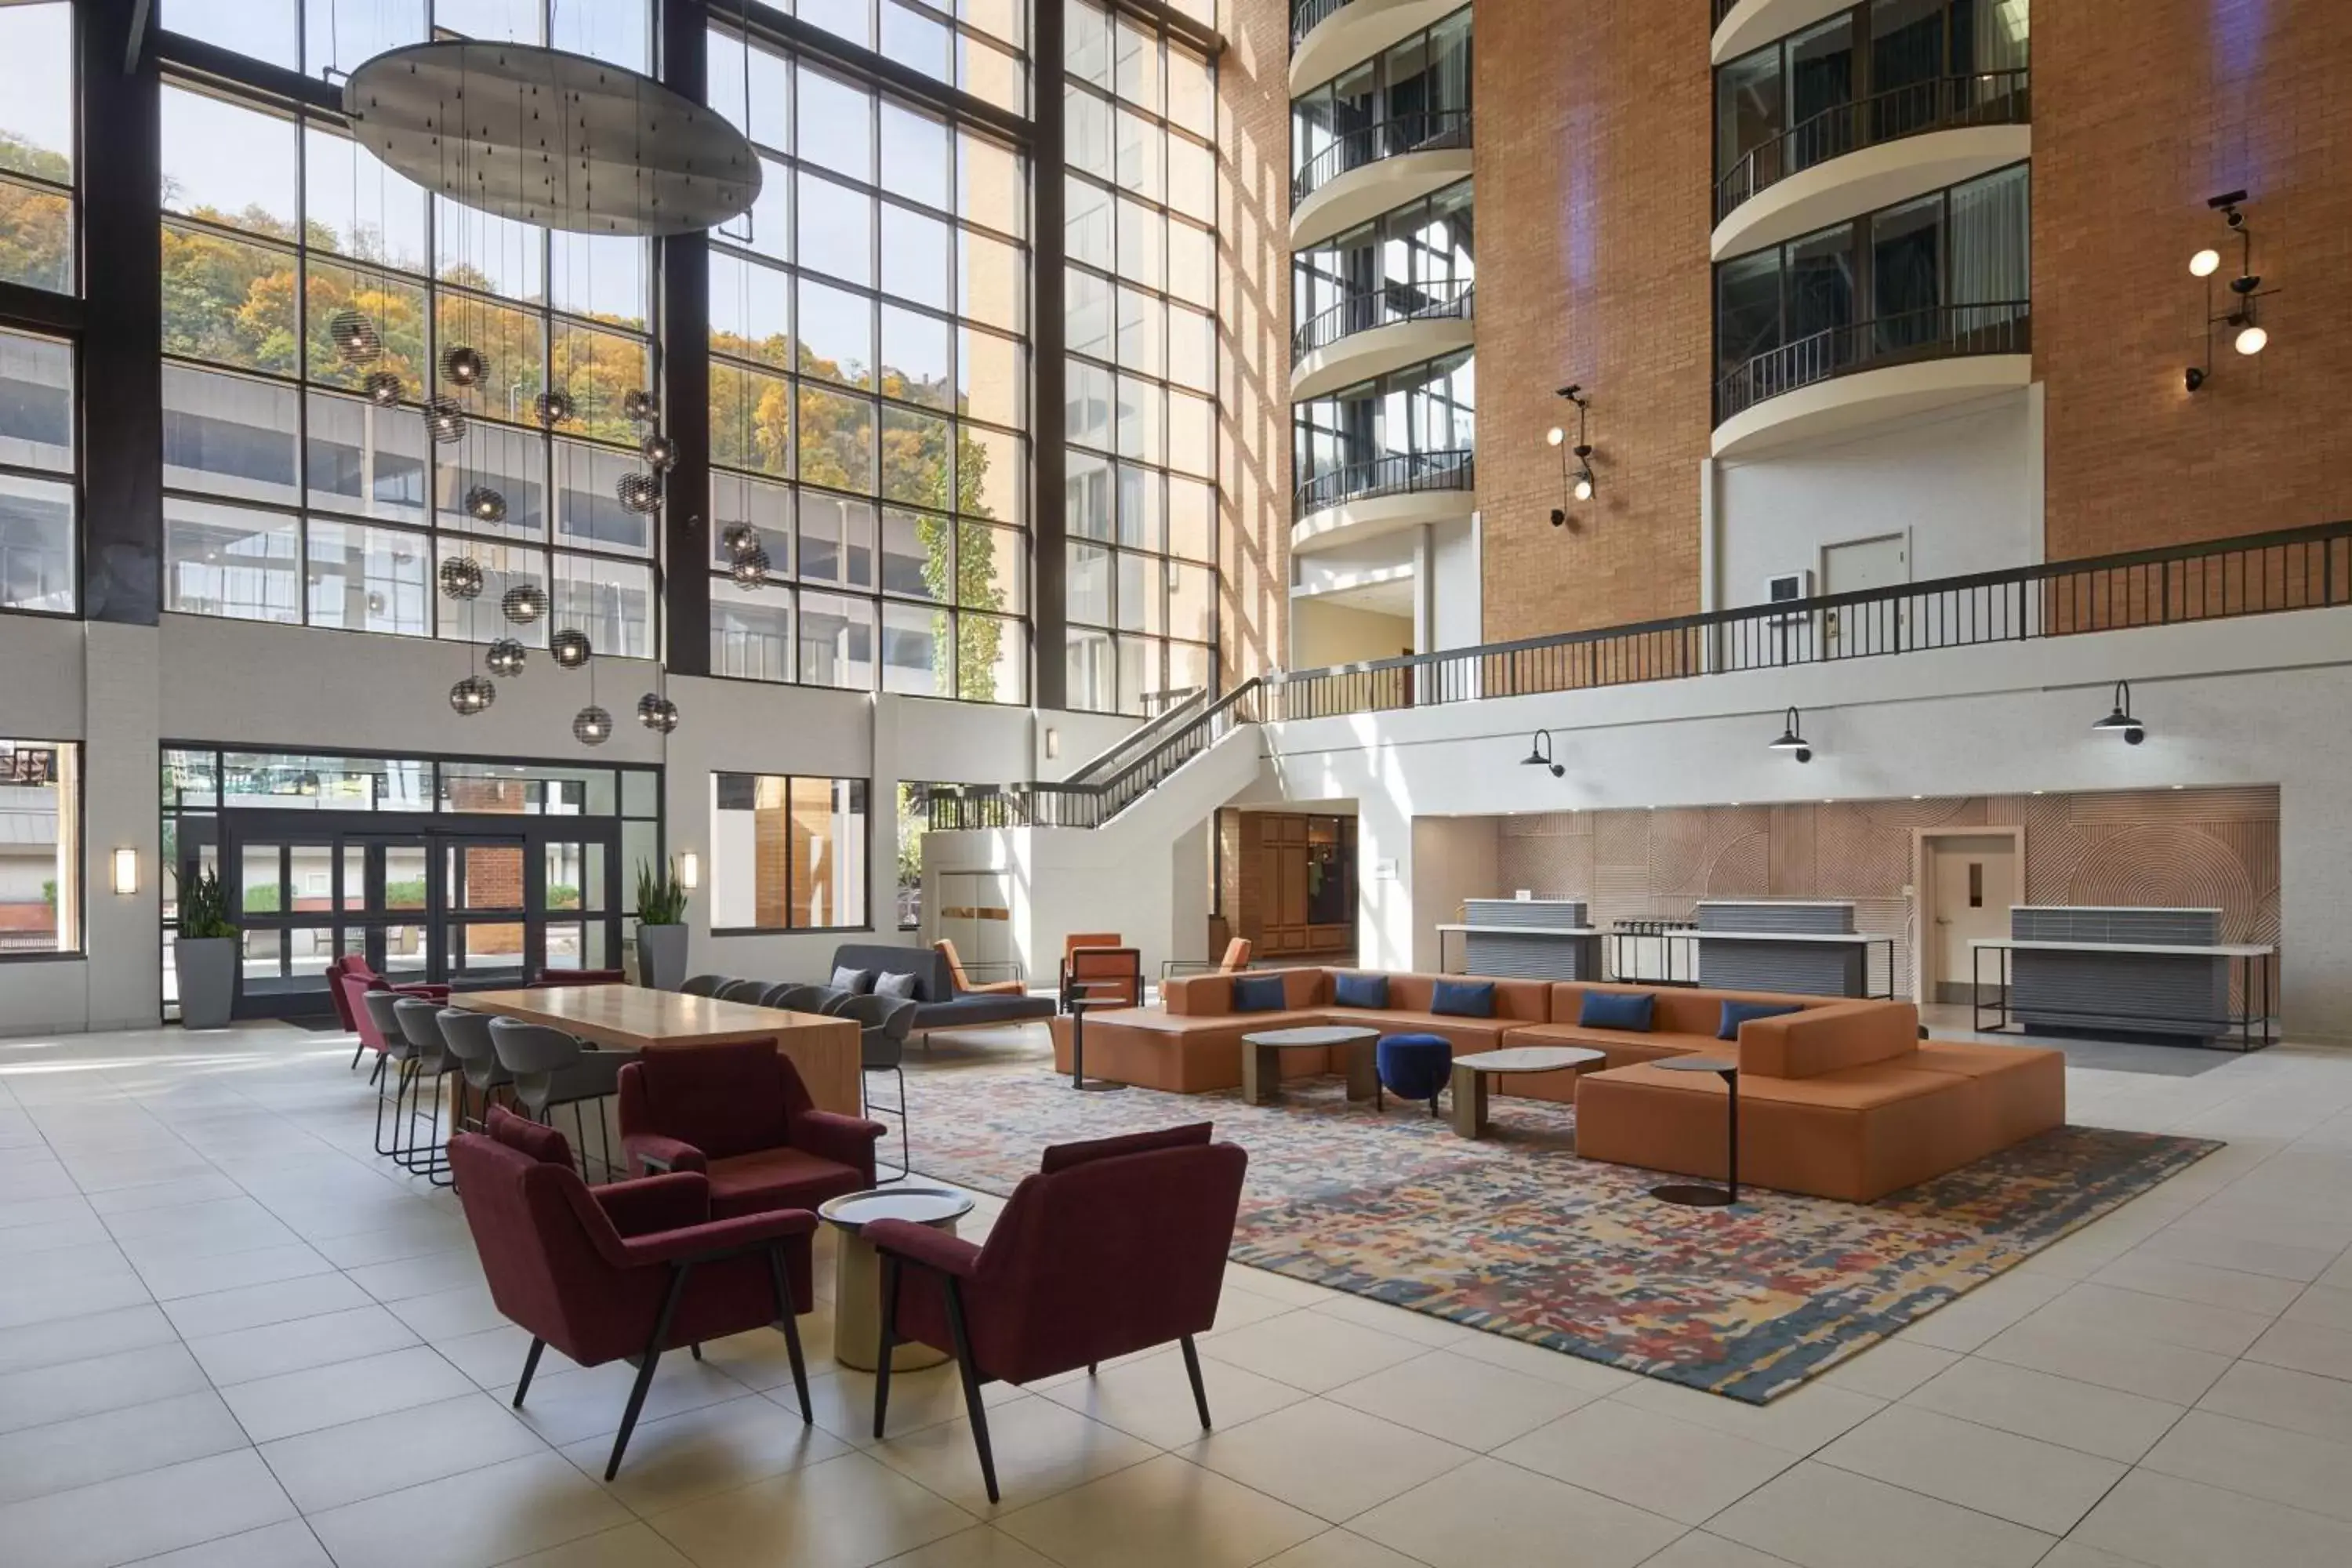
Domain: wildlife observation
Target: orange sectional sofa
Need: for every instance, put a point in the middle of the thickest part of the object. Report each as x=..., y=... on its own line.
x=1839, y=1098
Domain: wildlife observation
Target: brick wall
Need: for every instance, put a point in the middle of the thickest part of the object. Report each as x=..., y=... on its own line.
x=1594, y=120
x=2133, y=129
x=1254, y=337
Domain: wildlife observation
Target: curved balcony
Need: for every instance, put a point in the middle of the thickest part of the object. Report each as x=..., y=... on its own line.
x=1742, y=26
x=1870, y=153
x=1869, y=372
x=1382, y=495
x=1377, y=330
x=1365, y=172
x=1327, y=36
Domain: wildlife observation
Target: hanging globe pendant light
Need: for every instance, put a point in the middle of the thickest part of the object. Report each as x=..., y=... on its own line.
x=383, y=389
x=483, y=504
x=657, y=713
x=445, y=420
x=462, y=366
x=593, y=726
x=525, y=603
x=554, y=407
x=472, y=695
x=461, y=577
x=505, y=658
x=354, y=336
x=570, y=648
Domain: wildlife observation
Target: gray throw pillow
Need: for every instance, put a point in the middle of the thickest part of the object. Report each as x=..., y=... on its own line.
x=895, y=985
x=856, y=982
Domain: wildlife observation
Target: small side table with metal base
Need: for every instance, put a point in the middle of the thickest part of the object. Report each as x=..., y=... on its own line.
x=1076, y=1004
x=1700, y=1194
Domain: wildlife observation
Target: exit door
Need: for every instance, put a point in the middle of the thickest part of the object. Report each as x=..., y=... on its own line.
x=1972, y=883
x=1876, y=627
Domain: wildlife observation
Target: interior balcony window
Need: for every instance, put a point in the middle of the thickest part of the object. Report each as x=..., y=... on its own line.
x=40, y=847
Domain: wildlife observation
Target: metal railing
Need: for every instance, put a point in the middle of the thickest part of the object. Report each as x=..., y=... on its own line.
x=1306, y=13
x=1937, y=103
x=1940, y=332
x=1092, y=803
x=1384, y=305
x=1723, y=10
x=1135, y=741
x=1428, y=131
x=1398, y=474
x=2264, y=573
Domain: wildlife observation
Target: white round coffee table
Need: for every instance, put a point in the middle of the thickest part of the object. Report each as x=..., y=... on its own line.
x=1473, y=1076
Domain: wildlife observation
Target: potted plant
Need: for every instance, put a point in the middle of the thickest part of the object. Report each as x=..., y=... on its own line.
x=661, y=927
x=205, y=954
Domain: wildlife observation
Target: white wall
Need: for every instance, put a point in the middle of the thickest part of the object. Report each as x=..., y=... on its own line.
x=1456, y=586
x=2226, y=703
x=1354, y=563
x=1965, y=486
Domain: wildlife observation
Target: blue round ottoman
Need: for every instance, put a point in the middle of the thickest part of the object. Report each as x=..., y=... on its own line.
x=1415, y=1067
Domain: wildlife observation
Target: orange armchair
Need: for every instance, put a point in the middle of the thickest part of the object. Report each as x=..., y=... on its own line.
x=964, y=984
x=1113, y=977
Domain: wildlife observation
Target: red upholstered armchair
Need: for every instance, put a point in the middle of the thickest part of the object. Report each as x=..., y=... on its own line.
x=739, y=1115
x=351, y=978
x=1113, y=1247
x=630, y=1269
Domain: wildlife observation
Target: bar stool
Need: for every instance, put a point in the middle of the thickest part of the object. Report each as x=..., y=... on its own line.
x=705, y=984
x=468, y=1038
x=428, y=1062
x=551, y=1067
x=799, y=998
x=394, y=1086
x=748, y=991
x=882, y=1025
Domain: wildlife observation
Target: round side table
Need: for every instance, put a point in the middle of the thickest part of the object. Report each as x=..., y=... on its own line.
x=1702, y=1194
x=858, y=1270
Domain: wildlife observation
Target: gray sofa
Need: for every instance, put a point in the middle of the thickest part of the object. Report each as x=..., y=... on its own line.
x=938, y=1006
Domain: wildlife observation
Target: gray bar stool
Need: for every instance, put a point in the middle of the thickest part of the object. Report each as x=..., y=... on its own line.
x=551, y=1069
x=468, y=1038
x=799, y=998
x=428, y=1062
x=394, y=1085
x=883, y=1023
x=744, y=990
x=706, y=985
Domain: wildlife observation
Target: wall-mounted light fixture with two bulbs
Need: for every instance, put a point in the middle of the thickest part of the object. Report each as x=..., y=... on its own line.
x=1579, y=486
x=2248, y=335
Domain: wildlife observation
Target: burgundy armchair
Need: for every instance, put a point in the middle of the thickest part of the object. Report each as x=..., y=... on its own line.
x=349, y=979
x=1113, y=1247
x=739, y=1115
x=630, y=1269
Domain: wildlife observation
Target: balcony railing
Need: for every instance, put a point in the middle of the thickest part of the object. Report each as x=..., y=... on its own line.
x=1723, y=10
x=1398, y=474
x=1426, y=132
x=2264, y=573
x=1306, y=13
x=1384, y=306
x=1939, y=103
x=1943, y=332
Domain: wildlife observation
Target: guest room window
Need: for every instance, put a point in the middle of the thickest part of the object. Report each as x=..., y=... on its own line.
x=787, y=853
x=41, y=849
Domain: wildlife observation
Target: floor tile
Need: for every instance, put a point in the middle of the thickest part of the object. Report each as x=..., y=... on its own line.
x=843, y=1400
x=1404, y=1323
x=244, y=1354
x=1701, y=1550
x=35, y=1300
x=2080, y=1416
x=1799, y=1422
x=60, y=1340
x=1328, y=1459
x=2074, y=1554
x=88, y=1450
x=2196, y=1325
x=982, y=1546
x=1164, y=1513
x=1889, y=1368
x=1488, y=1513
x=709, y=1449
x=286, y=1544
x=2158, y=1276
x=406, y=1277
x=494, y=1357
x=1823, y=1517
x=142, y=1515
x=471, y=1518
x=343, y=1392
x=1339, y=1549
x=1311, y=1352
x=1967, y=1323
x=2305, y=1347
x=62, y=1391
x=173, y=1278
x=2323, y=1307
x=2220, y=1248
x=2281, y=1396
x=377, y=1453
x=630, y=1546
x=2168, y=1522
x=1551, y=1366
x=1040, y=1448
x=2022, y=1479
x=758, y=1359
x=1665, y=1465
x=566, y=1408
x=1149, y=1397
x=2258, y=1460
x=1278, y=1287
x=253, y=1306
x=2171, y=1373
x=1470, y=1403
x=850, y=1510
x=444, y=1314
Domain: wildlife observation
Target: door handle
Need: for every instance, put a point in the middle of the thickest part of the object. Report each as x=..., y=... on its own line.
x=1942, y=921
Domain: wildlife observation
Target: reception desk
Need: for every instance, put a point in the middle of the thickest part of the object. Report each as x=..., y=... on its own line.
x=1807, y=947
x=2161, y=972
x=1524, y=938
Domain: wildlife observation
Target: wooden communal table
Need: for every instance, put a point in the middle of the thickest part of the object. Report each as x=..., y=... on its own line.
x=825, y=1049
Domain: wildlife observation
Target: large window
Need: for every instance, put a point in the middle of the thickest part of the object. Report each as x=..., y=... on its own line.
x=1411, y=428
x=787, y=853
x=292, y=497
x=37, y=146
x=1416, y=94
x=1416, y=262
x=1142, y=415
x=868, y=384
x=36, y=466
x=40, y=847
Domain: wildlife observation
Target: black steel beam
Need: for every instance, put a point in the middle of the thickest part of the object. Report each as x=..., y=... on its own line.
x=1048, y=369
x=195, y=56
x=765, y=22
x=39, y=309
x=684, y=320
x=121, y=380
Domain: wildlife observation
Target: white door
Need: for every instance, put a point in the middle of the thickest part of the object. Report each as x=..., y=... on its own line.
x=1852, y=567
x=976, y=914
x=1974, y=882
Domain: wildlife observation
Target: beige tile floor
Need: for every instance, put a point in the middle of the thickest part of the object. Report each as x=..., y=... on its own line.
x=230, y=1335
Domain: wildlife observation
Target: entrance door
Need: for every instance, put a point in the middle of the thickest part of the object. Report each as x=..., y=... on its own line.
x=482, y=901
x=1851, y=568
x=1972, y=882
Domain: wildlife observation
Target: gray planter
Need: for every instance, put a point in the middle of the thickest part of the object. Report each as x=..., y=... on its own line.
x=207, y=966
x=661, y=956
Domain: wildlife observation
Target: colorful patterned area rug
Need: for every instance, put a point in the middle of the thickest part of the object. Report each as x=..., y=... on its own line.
x=1516, y=1236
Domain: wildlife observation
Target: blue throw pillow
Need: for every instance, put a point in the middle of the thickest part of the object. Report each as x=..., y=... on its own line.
x=1359, y=991
x=1258, y=994
x=1738, y=1013
x=1616, y=1010
x=1464, y=998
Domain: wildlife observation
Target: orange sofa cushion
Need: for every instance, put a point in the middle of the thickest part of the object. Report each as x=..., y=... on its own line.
x=1829, y=1039
x=1211, y=995
x=2021, y=1089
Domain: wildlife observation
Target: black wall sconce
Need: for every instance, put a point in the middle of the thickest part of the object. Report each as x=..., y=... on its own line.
x=2250, y=337
x=2120, y=722
x=1539, y=755
x=1792, y=739
x=1579, y=486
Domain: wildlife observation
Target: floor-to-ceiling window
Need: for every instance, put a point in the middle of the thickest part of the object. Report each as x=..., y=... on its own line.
x=1414, y=428
x=1414, y=261
x=869, y=373
x=1142, y=415
x=1414, y=95
x=38, y=553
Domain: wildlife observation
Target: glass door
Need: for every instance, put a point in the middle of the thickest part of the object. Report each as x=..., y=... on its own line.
x=283, y=896
x=387, y=904
x=485, y=913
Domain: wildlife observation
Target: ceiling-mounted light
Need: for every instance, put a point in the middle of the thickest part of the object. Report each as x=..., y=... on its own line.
x=1792, y=739
x=2120, y=722
x=2205, y=263
x=1539, y=753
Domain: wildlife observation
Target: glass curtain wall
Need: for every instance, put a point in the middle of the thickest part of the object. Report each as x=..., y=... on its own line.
x=1417, y=261
x=39, y=553
x=1414, y=95
x=291, y=498
x=1414, y=427
x=1142, y=418
x=37, y=153
x=868, y=402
